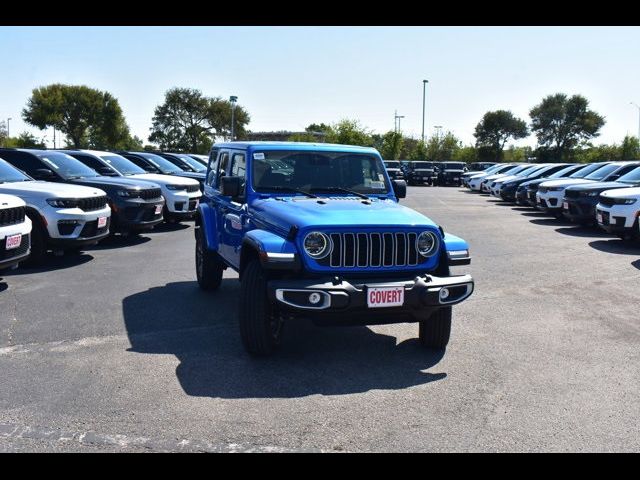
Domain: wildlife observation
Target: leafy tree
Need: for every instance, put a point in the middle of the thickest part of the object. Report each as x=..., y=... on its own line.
x=630, y=148
x=496, y=128
x=188, y=121
x=420, y=152
x=442, y=148
x=408, y=146
x=349, y=132
x=392, y=143
x=303, y=137
x=3, y=133
x=85, y=115
x=25, y=140
x=467, y=154
x=561, y=123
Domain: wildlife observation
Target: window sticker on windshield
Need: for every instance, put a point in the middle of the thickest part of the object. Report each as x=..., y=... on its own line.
x=258, y=156
x=49, y=162
x=377, y=185
x=380, y=177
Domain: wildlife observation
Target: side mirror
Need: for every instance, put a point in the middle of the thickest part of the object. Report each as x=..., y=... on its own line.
x=149, y=168
x=399, y=188
x=613, y=178
x=43, y=174
x=230, y=186
x=106, y=171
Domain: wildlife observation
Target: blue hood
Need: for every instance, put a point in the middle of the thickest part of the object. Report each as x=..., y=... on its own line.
x=285, y=212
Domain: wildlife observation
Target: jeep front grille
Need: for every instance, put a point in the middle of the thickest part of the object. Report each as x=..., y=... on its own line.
x=12, y=216
x=607, y=201
x=193, y=188
x=92, y=203
x=362, y=250
x=150, y=194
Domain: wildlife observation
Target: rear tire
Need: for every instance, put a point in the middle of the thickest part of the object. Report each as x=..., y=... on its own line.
x=260, y=327
x=209, y=267
x=435, y=332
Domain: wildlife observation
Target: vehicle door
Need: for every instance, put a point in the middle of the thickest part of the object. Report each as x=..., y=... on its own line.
x=231, y=213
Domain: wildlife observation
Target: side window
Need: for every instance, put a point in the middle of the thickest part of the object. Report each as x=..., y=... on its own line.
x=90, y=161
x=139, y=162
x=213, y=167
x=24, y=162
x=239, y=169
x=223, y=167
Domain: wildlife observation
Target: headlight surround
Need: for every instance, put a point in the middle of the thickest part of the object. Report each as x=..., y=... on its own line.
x=427, y=244
x=627, y=201
x=317, y=245
x=555, y=189
x=128, y=193
x=176, y=187
x=62, y=202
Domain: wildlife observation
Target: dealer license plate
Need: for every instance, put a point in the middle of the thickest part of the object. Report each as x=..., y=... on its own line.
x=14, y=241
x=378, y=297
x=599, y=217
x=158, y=209
x=102, y=222
x=565, y=205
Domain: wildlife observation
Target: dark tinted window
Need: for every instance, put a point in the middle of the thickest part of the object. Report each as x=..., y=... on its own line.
x=23, y=161
x=65, y=165
x=8, y=173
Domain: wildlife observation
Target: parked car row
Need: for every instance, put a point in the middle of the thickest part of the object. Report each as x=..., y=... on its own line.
x=60, y=200
x=602, y=194
x=433, y=173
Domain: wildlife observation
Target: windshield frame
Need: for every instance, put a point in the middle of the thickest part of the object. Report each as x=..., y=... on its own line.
x=106, y=159
x=160, y=163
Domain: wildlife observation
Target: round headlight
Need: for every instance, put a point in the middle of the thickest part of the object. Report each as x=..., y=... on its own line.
x=316, y=244
x=426, y=244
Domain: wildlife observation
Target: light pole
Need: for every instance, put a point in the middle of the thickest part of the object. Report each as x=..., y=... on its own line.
x=8, y=133
x=424, y=87
x=638, y=107
x=397, y=118
x=438, y=128
x=233, y=99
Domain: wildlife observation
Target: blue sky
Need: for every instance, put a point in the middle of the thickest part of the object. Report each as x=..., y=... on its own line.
x=288, y=77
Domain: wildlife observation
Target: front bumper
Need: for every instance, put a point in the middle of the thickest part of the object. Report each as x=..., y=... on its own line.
x=618, y=219
x=549, y=202
x=346, y=301
x=136, y=216
x=579, y=210
x=508, y=194
x=10, y=258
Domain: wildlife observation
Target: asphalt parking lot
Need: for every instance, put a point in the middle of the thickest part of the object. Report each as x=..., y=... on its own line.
x=116, y=349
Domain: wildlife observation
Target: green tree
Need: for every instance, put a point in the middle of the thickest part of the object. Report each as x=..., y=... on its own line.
x=85, y=115
x=3, y=133
x=349, y=132
x=561, y=123
x=188, y=121
x=25, y=140
x=496, y=128
x=392, y=143
x=420, y=152
x=467, y=154
x=442, y=148
x=630, y=148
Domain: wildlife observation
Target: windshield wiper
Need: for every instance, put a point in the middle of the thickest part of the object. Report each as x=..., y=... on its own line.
x=290, y=189
x=340, y=189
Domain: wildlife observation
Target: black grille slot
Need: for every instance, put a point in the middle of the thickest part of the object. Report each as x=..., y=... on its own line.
x=607, y=201
x=401, y=249
x=150, y=194
x=363, y=249
x=91, y=204
x=376, y=250
x=193, y=188
x=336, y=253
x=388, y=245
x=349, y=243
x=14, y=252
x=571, y=193
x=413, y=253
x=11, y=216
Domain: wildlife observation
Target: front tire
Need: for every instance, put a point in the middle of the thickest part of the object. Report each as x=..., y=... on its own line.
x=436, y=330
x=209, y=267
x=260, y=326
x=38, y=244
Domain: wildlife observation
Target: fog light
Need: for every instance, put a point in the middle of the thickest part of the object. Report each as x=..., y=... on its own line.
x=444, y=293
x=314, y=298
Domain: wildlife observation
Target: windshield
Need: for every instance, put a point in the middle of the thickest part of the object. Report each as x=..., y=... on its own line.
x=66, y=166
x=453, y=166
x=493, y=168
x=584, y=171
x=565, y=171
x=632, y=177
x=122, y=165
x=162, y=164
x=517, y=169
x=602, y=172
x=194, y=164
x=392, y=164
x=534, y=171
x=421, y=165
x=9, y=173
x=279, y=170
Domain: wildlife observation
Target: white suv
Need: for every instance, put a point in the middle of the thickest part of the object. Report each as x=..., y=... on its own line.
x=618, y=212
x=15, y=228
x=64, y=216
x=181, y=194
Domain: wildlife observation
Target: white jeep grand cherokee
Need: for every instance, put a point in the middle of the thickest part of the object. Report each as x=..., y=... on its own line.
x=64, y=216
x=15, y=228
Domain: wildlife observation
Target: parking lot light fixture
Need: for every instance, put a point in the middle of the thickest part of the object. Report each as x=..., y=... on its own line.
x=638, y=107
x=233, y=99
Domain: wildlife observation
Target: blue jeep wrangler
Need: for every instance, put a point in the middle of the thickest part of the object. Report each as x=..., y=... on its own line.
x=316, y=231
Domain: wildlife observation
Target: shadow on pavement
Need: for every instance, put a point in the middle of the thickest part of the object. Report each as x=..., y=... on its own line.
x=51, y=262
x=3, y=286
x=582, y=231
x=551, y=221
x=201, y=330
x=168, y=227
x=118, y=241
x=635, y=263
x=620, y=247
